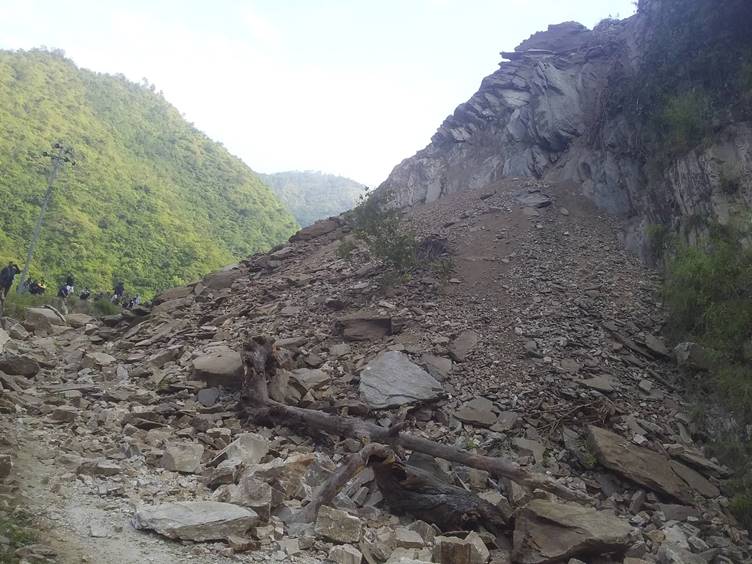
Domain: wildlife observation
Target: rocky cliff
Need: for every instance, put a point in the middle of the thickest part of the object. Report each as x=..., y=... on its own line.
x=595, y=106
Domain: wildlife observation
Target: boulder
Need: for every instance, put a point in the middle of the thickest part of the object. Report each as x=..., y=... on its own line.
x=345, y=554
x=221, y=366
x=173, y=294
x=321, y=227
x=196, y=520
x=461, y=346
x=338, y=526
x=479, y=411
x=643, y=466
x=97, y=360
x=248, y=448
x=79, y=320
x=547, y=531
x=365, y=326
x=248, y=492
x=98, y=468
x=18, y=364
x=285, y=476
x=42, y=318
x=182, y=457
x=454, y=550
x=391, y=379
x=16, y=330
x=222, y=279
x=438, y=366
x=692, y=356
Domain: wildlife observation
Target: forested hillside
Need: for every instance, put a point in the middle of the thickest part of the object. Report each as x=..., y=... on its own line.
x=151, y=200
x=313, y=195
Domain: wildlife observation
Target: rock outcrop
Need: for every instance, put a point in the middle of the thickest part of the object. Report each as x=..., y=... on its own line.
x=544, y=114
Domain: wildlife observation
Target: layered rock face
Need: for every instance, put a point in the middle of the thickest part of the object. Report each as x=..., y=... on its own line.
x=543, y=114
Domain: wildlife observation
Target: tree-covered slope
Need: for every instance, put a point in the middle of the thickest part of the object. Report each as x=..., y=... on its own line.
x=151, y=200
x=313, y=195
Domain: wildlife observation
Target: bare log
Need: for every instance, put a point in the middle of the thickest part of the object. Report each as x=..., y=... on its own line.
x=260, y=365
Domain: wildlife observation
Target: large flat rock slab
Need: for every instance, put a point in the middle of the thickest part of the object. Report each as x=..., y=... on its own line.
x=547, y=531
x=221, y=366
x=392, y=379
x=643, y=466
x=196, y=520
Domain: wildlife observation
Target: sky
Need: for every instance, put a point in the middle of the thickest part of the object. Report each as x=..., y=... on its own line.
x=348, y=87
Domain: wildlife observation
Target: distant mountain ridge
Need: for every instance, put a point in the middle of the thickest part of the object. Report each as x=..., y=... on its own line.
x=152, y=200
x=312, y=195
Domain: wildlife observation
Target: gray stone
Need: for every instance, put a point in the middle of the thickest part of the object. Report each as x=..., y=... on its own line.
x=42, y=319
x=4, y=338
x=311, y=378
x=221, y=366
x=18, y=364
x=463, y=344
x=207, y=396
x=391, y=379
x=479, y=411
x=438, y=366
x=223, y=279
x=196, y=520
x=79, y=320
x=98, y=468
x=365, y=326
x=672, y=554
x=603, y=383
x=454, y=550
x=643, y=466
x=692, y=356
x=338, y=526
x=656, y=346
x=97, y=360
x=345, y=554
x=547, y=531
x=695, y=480
x=182, y=457
x=248, y=448
x=173, y=294
x=339, y=350
x=248, y=492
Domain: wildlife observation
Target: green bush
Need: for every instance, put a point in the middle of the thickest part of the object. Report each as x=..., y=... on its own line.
x=377, y=223
x=685, y=120
x=708, y=293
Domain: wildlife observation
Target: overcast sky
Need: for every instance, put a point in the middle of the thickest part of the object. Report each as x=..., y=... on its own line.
x=350, y=87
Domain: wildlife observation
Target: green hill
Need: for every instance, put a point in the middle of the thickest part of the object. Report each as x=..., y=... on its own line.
x=313, y=195
x=151, y=200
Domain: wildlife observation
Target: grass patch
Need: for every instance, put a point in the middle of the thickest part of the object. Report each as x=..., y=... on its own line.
x=18, y=528
x=16, y=304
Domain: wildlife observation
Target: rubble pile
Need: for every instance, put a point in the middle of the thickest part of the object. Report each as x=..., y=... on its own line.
x=540, y=347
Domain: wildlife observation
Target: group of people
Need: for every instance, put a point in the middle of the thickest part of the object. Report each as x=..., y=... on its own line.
x=66, y=289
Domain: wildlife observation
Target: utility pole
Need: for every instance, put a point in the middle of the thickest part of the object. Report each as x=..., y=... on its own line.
x=60, y=156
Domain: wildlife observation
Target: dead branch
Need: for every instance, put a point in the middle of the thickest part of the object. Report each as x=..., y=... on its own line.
x=260, y=366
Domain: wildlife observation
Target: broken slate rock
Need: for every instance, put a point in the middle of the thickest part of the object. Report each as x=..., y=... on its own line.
x=337, y=526
x=196, y=520
x=461, y=346
x=207, y=396
x=42, y=318
x=365, y=326
x=345, y=554
x=547, y=531
x=248, y=448
x=18, y=365
x=643, y=466
x=392, y=379
x=454, y=550
x=182, y=457
x=479, y=411
x=222, y=366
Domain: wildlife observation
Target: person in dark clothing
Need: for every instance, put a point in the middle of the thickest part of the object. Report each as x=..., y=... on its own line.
x=7, y=275
x=119, y=292
x=85, y=295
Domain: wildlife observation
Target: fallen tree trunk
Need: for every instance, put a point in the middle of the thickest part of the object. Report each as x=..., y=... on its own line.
x=260, y=365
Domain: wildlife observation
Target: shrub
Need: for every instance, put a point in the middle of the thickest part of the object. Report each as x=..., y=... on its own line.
x=685, y=120
x=377, y=223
